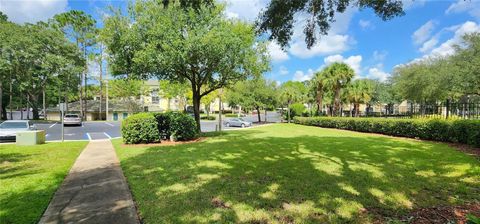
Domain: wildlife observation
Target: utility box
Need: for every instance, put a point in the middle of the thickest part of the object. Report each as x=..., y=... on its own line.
x=30, y=137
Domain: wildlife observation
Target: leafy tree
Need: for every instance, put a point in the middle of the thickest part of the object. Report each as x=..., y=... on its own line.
x=466, y=62
x=318, y=87
x=386, y=94
x=127, y=90
x=253, y=94
x=292, y=92
x=79, y=27
x=3, y=17
x=199, y=46
x=171, y=90
x=360, y=91
x=279, y=17
x=337, y=77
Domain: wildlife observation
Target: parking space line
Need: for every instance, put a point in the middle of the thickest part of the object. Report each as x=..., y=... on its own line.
x=109, y=137
x=109, y=124
x=88, y=136
x=51, y=126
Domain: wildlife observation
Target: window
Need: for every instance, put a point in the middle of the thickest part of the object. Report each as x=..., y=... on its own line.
x=155, y=98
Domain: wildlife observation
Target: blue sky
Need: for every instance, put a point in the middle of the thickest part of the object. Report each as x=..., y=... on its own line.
x=371, y=46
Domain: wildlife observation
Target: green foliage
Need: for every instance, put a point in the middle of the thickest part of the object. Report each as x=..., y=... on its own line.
x=337, y=76
x=472, y=219
x=231, y=115
x=458, y=131
x=183, y=127
x=279, y=17
x=210, y=118
x=297, y=109
x=200, y=46
x=140, y=128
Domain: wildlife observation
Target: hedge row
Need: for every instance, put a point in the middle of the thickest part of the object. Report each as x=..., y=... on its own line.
x=458, y=131
x=153, y=127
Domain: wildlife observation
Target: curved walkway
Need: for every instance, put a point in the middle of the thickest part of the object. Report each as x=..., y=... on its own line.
x=95, y=190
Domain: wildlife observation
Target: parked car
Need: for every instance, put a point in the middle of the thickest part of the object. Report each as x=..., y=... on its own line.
x=237, y=122
x=9, y=129
x=72, y=119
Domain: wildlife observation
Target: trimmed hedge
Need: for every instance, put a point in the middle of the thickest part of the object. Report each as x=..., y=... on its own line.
x=210, y=118
x=140, y=128
x=153, y=127
x=458, y=131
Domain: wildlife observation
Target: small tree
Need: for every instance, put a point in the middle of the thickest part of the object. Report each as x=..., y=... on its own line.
x=337, y=77
x=292, y=92
x=128, y=90
x=360, y=91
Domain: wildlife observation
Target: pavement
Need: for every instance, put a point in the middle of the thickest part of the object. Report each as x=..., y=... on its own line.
x=97, y=130
x=94, y=191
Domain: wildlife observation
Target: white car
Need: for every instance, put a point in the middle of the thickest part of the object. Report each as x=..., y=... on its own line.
x=72, y=119
x=9, y=129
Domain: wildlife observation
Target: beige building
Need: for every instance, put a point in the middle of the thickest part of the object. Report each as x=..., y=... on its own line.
x=153, y=101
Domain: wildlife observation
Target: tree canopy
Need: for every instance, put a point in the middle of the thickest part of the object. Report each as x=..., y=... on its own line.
x=279, y=17
x=201, y=47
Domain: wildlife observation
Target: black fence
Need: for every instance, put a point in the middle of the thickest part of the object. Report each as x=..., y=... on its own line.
x=453, y=110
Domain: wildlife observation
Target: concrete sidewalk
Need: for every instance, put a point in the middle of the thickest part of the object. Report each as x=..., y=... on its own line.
x=95, y=190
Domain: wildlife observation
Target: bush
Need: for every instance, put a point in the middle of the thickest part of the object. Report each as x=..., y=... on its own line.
x=183, y=127
x=140, y=128
x=296, y=109
x=231, y=115
x=210, y=118
x=163, y=124
x=458, y=131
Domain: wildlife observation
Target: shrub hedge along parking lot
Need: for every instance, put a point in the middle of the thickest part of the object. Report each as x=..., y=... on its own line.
x=458, y=131
x=153, y=127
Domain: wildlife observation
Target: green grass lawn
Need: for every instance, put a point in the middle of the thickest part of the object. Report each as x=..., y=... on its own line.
x=29, y=176
x=288, y=173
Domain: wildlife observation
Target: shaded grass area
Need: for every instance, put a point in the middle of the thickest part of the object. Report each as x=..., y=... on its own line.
x=30, y=175
x=288, y=173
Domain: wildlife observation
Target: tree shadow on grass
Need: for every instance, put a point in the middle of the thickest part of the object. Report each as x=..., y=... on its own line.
x=242, y=178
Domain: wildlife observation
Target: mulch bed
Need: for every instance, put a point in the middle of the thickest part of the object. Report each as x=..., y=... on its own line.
x=165, y=143
x=433, y=215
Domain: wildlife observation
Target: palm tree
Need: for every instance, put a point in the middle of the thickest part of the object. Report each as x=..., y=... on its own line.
x=338, y=75
x=292, y=92
x=318, y=84
x=360, y=91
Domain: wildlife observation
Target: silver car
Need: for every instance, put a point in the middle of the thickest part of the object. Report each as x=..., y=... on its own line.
x=237, y=122
x=9, y=129
x=72, y=119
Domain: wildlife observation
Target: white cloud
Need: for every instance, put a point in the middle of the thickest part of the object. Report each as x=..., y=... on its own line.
x=244, y=9
x=423, y=33
x=353, y=61
x=472, y=7
x=330, y=44
x=377, y=73
x=276, y=52
x=428, y=45
x=366, y=24
x=446, y=48
x=379, y=55
x=303, y=76
x=411, y=4
x=283, y=70
x=31, y=11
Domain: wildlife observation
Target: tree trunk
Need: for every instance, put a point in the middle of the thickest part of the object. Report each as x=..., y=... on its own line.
x=44, y=105
x=357, y=109
x=288, y=112
x=319, y=102
x=337, y=101
x=1, y=101
x=196, y=108
x=265, y=116
x=11, y=98
x=258, y=115
x=81, y=96
x=28, y=107
x=168, y=104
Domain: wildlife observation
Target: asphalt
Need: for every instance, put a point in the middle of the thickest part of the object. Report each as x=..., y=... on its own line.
x=94, y=191
x=97, y=130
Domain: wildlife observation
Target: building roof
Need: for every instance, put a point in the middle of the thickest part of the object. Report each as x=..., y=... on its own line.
x=94, y=106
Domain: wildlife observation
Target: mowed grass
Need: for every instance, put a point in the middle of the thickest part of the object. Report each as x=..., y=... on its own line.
x=288, y=173
x=29, y=176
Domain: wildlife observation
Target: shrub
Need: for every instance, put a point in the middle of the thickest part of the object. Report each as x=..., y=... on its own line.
x=183, y=127
x=140, y=128
x=296, y=109
x=210, y=118
x=231, y=115
x=459, y=131
x=163, y=124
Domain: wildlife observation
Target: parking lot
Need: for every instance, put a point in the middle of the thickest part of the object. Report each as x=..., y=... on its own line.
x=96, y=130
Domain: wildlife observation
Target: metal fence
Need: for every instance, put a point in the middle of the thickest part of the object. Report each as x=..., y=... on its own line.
x=447, y=109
